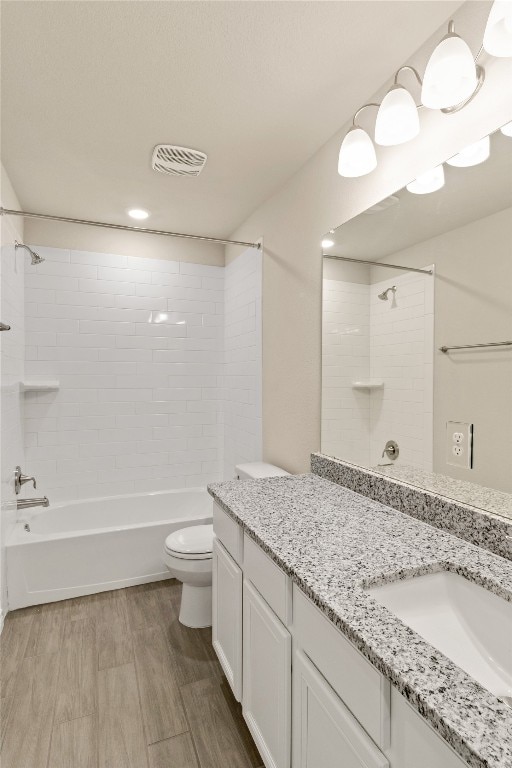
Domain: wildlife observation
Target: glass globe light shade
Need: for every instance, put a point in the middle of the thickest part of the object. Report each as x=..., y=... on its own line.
x=507, y=129
x=427, y=182
x=472, y=155
x=397, y=118
x=357, y=154
x=450, y=76
x=498, y=32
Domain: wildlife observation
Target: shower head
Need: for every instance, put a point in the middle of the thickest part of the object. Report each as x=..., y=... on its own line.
x=384, y=295
x=35, y=258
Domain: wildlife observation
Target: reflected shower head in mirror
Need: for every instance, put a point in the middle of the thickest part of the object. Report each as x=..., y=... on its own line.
x=35, y=258
x=384, y=295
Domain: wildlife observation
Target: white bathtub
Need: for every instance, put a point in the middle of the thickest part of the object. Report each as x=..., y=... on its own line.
x=81, y=547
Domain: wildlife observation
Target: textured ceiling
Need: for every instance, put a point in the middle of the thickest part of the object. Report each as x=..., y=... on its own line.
x=88, y=88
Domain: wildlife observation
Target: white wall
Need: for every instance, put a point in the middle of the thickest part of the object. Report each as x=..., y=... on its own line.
x=136, y=344
x=12, y=267
x=242, y=372
x=88, y=238
x=316, y=199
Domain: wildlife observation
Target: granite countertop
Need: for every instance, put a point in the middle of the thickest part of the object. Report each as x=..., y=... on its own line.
x=487, y=499
x=334, y=542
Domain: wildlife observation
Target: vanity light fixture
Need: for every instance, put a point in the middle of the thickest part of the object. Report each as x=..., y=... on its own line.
x=397, y=119
x=474, y=154
x=498, y=32
x=357, y=154
x=138, y=213
x=452, y=76
x=427, y=182
x=452, y=79
x=507, y=129
x=327, y=243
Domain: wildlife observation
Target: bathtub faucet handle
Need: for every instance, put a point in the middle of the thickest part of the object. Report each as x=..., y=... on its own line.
x=20, y=479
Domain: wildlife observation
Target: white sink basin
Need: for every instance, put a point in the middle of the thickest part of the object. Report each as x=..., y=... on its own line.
x=466, y=622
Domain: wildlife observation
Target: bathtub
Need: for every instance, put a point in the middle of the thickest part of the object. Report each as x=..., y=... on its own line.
x=82, y=547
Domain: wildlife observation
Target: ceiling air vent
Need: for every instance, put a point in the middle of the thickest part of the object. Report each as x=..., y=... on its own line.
x=177, y=161
x=388, y=202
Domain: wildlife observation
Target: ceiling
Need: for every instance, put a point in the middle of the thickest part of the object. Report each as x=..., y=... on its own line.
x=468, y=194
x=89, y=88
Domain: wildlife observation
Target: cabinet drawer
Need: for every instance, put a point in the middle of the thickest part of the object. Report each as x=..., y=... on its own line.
x=361, y=687
x=229, y=533
x=270, y=581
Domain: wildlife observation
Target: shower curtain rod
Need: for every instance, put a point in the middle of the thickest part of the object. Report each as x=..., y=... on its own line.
x=126, y=228
x=378, y=264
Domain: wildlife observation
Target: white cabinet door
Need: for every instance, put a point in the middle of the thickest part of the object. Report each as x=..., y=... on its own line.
x=266, y=680
x=325, y=734
x=227, y=616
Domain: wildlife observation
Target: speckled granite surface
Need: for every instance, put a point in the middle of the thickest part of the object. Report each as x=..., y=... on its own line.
x=470, y=494
x=334, y=542
x=485, y=529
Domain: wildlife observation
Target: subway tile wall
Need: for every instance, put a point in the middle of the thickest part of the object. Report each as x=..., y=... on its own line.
x=12, y=268
x=242, y=373
x=137, y=346
x=345, y=359
x=402, y=355
x=392, y=341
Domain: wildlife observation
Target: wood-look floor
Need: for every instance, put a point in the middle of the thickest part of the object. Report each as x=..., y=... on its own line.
x=115, y=681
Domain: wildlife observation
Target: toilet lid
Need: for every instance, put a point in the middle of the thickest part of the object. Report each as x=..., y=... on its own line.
x=191, y=543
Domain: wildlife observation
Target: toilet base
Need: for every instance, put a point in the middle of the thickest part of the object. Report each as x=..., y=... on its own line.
x=196, y=606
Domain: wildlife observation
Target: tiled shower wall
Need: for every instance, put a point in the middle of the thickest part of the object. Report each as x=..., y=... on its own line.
x=11, y=372
x=345, y=359
x=391, y=341
x=136, y=345
x=401, y=354
x=242, y=373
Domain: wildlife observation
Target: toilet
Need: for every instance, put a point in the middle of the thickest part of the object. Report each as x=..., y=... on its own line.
x=188, y=556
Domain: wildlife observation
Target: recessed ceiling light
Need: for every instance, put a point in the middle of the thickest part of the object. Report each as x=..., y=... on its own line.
x=327, y=243
x=138, y=213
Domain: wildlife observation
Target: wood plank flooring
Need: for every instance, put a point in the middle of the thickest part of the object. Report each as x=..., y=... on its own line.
x=115, y=681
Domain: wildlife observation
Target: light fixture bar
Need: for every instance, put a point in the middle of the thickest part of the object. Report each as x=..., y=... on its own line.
x=378, y=264
x=126, y=228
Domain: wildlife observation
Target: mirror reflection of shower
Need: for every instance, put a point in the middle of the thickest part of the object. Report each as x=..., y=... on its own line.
x=384, y=295
x=35, y=258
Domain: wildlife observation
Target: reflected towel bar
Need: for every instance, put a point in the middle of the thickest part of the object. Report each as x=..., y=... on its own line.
x=476, y=346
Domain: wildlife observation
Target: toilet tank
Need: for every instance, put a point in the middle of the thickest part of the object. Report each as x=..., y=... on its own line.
x=258, y=469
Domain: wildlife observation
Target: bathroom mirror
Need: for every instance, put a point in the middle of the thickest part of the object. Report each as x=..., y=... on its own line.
x=417, y=357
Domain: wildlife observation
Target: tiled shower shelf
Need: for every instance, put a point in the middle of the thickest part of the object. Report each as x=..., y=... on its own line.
x=368, y=384
x=39, y=386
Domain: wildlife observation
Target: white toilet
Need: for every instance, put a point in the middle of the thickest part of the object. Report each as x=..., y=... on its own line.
x=188, y=556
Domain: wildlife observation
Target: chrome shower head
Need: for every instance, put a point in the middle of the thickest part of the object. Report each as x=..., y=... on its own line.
x=384, y=295
x=35, y=258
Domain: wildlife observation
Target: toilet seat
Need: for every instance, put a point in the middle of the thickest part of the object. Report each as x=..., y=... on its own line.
x=192, y=543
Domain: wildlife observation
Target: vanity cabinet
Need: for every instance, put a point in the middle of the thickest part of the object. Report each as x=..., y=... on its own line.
x=309, y=697
x=266, y=701
x=227, y=616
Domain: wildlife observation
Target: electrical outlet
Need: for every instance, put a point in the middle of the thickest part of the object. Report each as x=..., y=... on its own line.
x=459, y=444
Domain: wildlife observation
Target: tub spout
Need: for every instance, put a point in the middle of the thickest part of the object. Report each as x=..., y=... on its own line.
x=29, y=503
